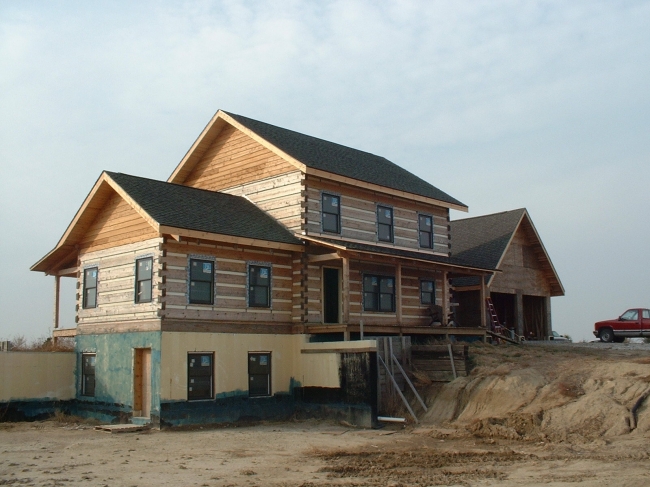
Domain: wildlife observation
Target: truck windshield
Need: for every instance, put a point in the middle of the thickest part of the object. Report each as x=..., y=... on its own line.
x=630, y=315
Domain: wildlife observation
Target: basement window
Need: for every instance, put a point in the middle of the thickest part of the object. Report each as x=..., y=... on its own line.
x=90, y=288
x=427, y=292
x=331, y=213
x=88, y=374
x=143, y=274
x=200, y=376
x=259, y=374
x=384, y=224
x=201, y=281
x=259, y=286
x=425, y=227
x=378, y=293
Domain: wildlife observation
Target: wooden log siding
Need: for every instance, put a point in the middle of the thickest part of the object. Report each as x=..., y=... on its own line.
x=116, y=284
x=359, y=217
x=522, y=269
x=234, y=159
x=413, y=313
x=116, y=225
x=280, y=196
x=231, y=293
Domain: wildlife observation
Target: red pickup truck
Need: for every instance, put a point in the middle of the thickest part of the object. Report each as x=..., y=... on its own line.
x=633, y=323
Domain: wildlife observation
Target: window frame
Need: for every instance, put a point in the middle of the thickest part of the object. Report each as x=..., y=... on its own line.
x=137, y=299
x=269, y=389
x=337, y=215
x=421, y=231
x=190, y=281
x=380, y=224
x=377, y=295
x=432, y=293
x=86, y=288
x=191, y=378
x=85, y=375
x=251, y=287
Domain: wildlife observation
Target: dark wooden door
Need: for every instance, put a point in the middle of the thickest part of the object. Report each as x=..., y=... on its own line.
x=331, y=295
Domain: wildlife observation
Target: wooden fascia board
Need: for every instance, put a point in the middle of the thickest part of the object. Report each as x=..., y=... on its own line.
x=212, y=129
x=118, y=189
x=260, y=140
x=219, y=237
x=187, y=163
x=505, y=250
x=541, y=246
x=323, y=257
x=382, y=189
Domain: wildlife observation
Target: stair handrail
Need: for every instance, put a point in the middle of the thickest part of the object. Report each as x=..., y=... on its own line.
x=406, y=403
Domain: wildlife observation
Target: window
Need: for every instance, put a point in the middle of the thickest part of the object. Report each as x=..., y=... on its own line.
x=630, y=315
x=88, y=374
x=378, y=293
x=201, y=281
x=199, y=376
x=331, y=206
x=259, y=374
x=259, y=286
x=90, y=288
x=425, y=227
x=646, y=314
x=427, y=292
x=143, y=272
x=384, y=224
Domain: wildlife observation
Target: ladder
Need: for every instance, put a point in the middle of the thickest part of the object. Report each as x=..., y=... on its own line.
x=494, y=320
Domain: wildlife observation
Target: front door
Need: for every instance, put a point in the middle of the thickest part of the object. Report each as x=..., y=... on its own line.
x=142, y=383
x=330, y=295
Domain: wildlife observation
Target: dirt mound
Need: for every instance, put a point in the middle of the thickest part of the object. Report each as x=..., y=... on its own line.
x=540, y=393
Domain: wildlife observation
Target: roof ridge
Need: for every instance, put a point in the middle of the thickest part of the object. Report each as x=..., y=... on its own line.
x=310, y=136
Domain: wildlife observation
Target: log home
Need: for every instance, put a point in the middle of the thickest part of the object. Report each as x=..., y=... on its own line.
x=241, y=285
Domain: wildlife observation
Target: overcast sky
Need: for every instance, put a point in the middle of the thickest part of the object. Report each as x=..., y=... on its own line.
x=502, y=104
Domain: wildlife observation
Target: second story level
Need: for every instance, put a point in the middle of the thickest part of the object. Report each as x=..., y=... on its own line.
x=318, y=188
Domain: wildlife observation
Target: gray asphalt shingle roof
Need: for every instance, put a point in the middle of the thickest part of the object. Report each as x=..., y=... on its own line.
x=206, y=211
x=338, y=159
x=483, y=240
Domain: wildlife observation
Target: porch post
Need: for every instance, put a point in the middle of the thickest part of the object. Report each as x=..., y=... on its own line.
x=445, y=299
x=346, y=289
x=398, y=292
x=547, y=311
x=57, y=292
x=483, y=307
x=519, y=310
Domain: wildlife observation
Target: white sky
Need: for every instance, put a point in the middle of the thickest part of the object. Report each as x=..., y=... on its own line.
x=502, y=104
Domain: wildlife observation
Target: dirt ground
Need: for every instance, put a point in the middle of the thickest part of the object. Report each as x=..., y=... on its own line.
x=526, y=416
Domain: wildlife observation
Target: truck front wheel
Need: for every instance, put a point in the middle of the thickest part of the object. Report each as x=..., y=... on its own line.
x=606, y=335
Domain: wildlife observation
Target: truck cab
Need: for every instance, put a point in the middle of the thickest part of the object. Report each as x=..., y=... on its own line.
x=635, y=322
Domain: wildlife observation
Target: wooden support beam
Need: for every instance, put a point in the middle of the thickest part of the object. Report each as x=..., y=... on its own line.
x=398, y=292
x=345, y=292
x=483, y=307
x=57, y=293
x=519, y=312
x=445, y=298
x=323, y=257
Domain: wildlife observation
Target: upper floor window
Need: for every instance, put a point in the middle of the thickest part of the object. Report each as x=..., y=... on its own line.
x=384, y=223
x=378, y=293
x=425, y=227
x=331, y=214
x=143, y=275
x=90, y=288
x=201, y=281
x=259, y=286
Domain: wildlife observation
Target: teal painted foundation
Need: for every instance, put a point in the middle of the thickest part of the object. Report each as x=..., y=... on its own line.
x=113, y=399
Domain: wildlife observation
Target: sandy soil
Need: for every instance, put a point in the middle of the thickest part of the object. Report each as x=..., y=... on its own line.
x=524, y=417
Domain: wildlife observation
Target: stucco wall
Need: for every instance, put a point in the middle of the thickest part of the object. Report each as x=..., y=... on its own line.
x=37, y=375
